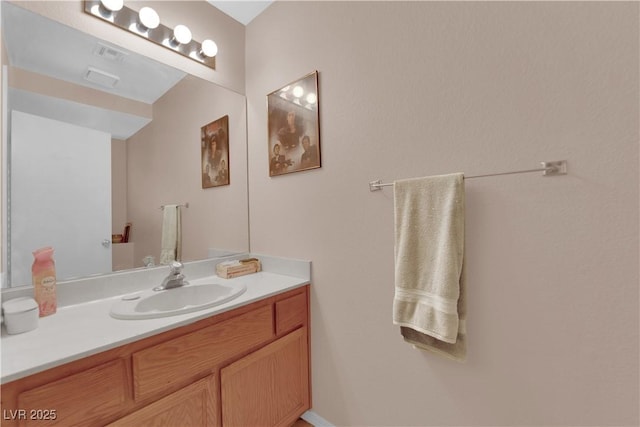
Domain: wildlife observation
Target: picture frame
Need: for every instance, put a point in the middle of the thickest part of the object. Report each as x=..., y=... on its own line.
x=294, y=126
x=214, y=147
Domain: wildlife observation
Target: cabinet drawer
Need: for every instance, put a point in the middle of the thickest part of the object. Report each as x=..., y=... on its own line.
x=291, y=313
x=156, y=368
x=86, y=398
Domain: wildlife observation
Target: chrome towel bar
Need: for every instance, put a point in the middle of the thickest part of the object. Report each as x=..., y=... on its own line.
x=548, y=169
x=186, y=205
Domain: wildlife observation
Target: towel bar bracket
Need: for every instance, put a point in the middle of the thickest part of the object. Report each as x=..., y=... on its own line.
x=554, y=168
x=375, y=185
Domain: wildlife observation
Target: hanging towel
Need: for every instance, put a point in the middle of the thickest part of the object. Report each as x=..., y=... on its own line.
x=429, y=303
x=171, y=235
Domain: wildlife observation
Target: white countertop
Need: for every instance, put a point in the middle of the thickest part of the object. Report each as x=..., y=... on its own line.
x=84, y=329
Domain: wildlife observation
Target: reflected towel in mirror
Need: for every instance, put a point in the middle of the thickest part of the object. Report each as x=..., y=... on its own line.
x=171, y=235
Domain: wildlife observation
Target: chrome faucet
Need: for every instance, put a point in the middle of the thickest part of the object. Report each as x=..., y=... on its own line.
x=175, y=279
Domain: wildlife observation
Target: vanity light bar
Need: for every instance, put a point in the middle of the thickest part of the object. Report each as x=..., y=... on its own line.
x=128, y=19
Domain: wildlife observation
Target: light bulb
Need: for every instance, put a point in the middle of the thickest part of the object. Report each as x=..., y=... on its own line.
x=182, y=34
x=298, y=91
x=209, y=48
x=149, y=18
x=312, y=98
x=112, y=5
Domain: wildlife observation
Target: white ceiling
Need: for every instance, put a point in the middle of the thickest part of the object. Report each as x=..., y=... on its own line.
x=41, y=45
x=242, y=11
x=46, y=47
x=118, y=124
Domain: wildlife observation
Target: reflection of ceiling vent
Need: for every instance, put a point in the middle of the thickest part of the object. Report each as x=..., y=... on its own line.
x=101, y=77
x=108, y=52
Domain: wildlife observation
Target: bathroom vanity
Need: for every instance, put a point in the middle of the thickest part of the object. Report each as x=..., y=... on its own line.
x=246, y=364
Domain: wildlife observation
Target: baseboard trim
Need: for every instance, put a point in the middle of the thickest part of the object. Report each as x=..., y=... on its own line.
x=315, y=419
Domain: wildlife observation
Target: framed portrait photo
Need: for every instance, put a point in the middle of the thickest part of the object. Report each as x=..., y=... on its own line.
x=214, y=144
x=294, y=129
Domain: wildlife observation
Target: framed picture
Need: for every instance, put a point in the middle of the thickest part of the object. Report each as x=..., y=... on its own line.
x=214, y=143
x=294, y=130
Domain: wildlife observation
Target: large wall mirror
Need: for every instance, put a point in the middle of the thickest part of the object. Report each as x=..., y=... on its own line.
x=98, y=137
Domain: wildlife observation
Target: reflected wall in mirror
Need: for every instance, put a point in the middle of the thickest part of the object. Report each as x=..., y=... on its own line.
x=98, y=137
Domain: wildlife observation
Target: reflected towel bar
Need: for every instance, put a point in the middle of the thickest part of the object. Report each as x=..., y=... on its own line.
x=548, y=169
x=186, y=205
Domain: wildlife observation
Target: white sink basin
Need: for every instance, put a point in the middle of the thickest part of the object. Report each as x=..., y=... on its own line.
x=185, y=299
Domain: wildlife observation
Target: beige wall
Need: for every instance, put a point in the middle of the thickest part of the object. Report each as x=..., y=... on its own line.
x=164, y=167
x=424, y=88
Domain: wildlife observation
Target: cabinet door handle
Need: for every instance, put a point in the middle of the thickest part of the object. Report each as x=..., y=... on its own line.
x=106, y=243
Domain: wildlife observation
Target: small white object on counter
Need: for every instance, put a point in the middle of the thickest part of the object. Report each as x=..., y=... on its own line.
x=20, y=315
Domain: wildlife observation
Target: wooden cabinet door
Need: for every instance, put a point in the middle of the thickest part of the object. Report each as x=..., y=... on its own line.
x=193, y=406
x=269, y=387
x=86, y=398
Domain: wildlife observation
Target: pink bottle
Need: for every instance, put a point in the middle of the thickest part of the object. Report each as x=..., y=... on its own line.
x=43, y=273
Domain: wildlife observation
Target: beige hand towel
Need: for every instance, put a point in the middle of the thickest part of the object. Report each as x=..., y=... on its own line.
x=171, y=235
x=429, y=302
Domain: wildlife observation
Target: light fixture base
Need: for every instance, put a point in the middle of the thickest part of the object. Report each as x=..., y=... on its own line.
x=127, y=19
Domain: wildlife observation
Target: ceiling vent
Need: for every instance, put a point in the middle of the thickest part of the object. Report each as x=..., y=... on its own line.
x=109, y=53
x=101, y=78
